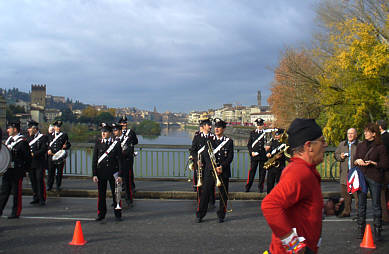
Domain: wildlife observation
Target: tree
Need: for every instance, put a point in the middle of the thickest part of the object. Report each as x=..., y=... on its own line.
x=295, y=88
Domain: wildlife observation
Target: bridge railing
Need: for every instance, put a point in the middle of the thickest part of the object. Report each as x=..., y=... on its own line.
x=170, y=161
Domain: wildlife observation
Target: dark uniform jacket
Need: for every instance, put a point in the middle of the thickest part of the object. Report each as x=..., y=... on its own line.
x=21, y=157
x=274, y=145
x=225, y=155
x=39, y=149
x=198, y=142
x=259, y=146
x=111, y=164
x=129, y=143
x=58, y=144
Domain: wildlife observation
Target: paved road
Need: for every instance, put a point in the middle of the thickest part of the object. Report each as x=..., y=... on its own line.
x=155, y=226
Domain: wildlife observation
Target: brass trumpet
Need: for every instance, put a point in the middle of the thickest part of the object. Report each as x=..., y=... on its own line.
x=118, y=193
x=199, y=172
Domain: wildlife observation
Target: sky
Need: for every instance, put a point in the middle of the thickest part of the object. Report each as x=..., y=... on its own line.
x=176, y=55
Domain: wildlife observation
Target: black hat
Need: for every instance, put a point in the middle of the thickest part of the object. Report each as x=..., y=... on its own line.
x=205, y=121
x=31, y=124
x=279, y=131
x=105, y=127
x=116, y=126
x=13, y=124
x=303, y=130
x=123, y=119
x=260, y=121
x=219, y=123
x=58, y=123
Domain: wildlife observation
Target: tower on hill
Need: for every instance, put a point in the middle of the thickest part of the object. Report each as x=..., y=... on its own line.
x=38, y=95
x=259, y=98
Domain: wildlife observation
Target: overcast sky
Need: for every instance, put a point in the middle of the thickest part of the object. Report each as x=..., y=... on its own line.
x=179, y=55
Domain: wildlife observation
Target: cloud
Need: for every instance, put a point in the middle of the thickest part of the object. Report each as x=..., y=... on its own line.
x=177, y=55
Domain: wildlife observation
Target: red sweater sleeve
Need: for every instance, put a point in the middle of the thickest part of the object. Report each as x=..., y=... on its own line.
x=287, y=193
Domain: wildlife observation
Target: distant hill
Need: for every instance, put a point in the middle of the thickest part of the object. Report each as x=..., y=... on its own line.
x=13, y=95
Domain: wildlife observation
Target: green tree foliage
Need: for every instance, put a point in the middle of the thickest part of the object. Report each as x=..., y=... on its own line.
x=147, y=127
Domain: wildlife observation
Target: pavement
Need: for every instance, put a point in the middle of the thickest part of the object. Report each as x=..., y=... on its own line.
x=157, y=226
x=164, y=189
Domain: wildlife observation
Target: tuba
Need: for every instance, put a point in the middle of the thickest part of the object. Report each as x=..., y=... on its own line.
x=5, y=158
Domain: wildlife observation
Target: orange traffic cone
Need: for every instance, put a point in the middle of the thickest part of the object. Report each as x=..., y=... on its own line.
x=78, y=237
x=367, y=241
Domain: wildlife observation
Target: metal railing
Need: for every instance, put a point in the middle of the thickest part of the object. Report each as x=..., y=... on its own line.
x=170, y=161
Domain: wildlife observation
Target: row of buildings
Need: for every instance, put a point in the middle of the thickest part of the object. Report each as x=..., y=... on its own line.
x=235, y=115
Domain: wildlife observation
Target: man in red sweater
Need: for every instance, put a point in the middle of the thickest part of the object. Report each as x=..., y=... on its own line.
x=293, y=209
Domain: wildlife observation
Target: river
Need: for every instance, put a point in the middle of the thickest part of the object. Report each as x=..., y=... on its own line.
x=179, y=136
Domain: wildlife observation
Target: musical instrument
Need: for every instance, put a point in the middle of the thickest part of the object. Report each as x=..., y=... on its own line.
x=199, y=173
x=191, y=163
x=273, y=161
x=214, y=164
x=118, y=193
x=59, y=156
x=219, y=182
x=5, y=159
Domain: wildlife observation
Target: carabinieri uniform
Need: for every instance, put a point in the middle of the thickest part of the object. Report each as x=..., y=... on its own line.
x=128, y=140
x=256, y=144
x=57, y=141
x=107, y=161
x=13, y=177
x=38, y=143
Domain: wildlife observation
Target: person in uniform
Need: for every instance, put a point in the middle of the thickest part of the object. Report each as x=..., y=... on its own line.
x=107, y=167
x=58, y=140
x=256, y=147
x=193, y=154
x=294, y=208
x=13, y=177
x=118, y=135
x=198, y=146
x=128, y=140
x=223, y=150
x=274, y=172
x=38, y=148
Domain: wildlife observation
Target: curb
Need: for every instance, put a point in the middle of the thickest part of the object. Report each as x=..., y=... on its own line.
x=161, y=194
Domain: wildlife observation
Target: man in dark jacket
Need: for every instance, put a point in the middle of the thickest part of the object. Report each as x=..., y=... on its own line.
x=107, y=167
x=38, y=147
x=58, y=140
x=223, y=153
x=13, y=177
x=385, y=187
x=256, y=147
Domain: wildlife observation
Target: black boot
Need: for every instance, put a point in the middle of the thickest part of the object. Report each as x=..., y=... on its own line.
x=361, y=231
x=377, y=233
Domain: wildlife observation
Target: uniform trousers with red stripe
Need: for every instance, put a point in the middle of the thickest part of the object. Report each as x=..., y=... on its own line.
x=128, y=179
x=38, y=184
x=53, y=168
x=102, y=195
x=11, y=185
x=207, y=192
x=254, y=164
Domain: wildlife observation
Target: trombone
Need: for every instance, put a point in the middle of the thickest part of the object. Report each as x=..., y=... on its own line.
x=219, y=182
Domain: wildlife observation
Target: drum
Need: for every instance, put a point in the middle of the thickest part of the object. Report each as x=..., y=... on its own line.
x=59, y=156
x=5, y=158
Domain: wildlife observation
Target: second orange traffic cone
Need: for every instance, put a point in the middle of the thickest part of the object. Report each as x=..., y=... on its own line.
x=78, y=236
x=367, y=241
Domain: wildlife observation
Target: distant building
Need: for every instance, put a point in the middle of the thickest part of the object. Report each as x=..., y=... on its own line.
x=51, y=114
x=38, y=95
x=259, y=98
x=60, y=99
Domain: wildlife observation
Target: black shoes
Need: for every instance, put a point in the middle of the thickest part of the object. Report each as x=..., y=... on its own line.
x=34, y=202
x=118, y=219
x=377, y=233
x=199, y=220
x=13, y=217
x=100, y=218
x=221, y=220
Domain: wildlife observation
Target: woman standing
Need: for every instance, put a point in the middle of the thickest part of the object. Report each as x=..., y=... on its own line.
x=372, y=159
